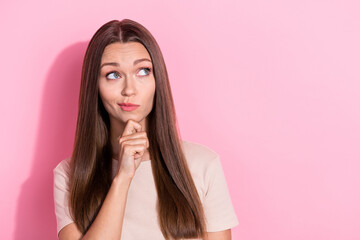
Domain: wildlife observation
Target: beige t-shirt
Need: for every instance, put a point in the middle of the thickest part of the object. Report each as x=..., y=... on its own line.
x=140, y=219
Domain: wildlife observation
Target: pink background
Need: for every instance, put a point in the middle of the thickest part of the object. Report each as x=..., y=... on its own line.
x=271, y=85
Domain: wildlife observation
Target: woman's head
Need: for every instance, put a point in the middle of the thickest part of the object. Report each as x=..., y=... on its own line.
x=110, y=74
x=126, y=77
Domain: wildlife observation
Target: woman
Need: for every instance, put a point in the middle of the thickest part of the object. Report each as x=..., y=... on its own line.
x=130, y=176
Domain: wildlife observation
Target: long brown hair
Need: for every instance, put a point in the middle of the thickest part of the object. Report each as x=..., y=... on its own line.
x=179, y=207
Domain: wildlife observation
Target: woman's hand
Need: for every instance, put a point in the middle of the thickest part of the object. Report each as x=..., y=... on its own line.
x=132, y=145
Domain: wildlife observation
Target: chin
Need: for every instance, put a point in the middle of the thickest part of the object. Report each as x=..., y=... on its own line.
x=127, y=118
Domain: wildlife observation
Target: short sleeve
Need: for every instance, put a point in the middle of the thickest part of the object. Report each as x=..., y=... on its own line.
x=218, y=208
x=61, y=195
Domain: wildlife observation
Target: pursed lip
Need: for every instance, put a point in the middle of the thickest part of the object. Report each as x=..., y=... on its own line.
x=128, y=105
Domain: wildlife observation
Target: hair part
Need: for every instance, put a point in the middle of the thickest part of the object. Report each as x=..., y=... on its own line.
x=179, y=207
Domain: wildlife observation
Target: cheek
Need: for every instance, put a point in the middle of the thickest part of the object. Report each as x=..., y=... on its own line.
x=102, y=92
x=106, y=93
x=148, y=97
x=151, y=93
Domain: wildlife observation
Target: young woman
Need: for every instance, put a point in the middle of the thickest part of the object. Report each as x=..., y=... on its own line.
x=130, y=175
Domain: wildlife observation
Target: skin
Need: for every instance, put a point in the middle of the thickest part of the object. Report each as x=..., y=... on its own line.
x=121, y=81
x=126, y=82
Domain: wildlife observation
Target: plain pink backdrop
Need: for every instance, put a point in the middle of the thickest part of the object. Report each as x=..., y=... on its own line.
x=272, y=85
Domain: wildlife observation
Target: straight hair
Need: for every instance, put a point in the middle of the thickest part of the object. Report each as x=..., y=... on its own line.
x=179, y=208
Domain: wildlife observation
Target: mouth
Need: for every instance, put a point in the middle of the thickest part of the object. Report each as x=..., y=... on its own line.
x=128, y=106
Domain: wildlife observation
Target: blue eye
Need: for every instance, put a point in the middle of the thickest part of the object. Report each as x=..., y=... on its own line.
x=147, y=70
x=112, y=75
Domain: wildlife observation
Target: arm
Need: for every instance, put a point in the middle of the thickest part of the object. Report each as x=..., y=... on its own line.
x=217, y=204
x=221, y=235
x=108, y=223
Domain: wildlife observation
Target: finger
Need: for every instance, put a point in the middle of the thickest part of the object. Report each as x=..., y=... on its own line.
x=132, y=136
x=138, y=155
x=144, y=141
x=134, y=141
x=132, y=150
x=135, y=135
x=131, y=127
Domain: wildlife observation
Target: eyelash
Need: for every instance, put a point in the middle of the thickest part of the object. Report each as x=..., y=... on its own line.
x=148, y=69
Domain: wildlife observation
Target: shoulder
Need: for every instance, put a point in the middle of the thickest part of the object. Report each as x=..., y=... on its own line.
x=63, y=167
x=197, y=150
x=199, y=157
x=61, y=194
x=209, y=179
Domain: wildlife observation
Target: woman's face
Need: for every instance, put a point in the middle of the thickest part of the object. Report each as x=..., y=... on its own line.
x=126, y=76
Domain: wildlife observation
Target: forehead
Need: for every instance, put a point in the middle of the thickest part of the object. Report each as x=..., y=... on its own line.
x=124, y=52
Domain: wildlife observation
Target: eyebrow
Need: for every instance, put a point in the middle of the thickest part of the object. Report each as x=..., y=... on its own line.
x=117, y=64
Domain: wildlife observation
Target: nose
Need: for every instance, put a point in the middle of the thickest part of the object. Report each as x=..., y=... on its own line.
x=128, y=87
